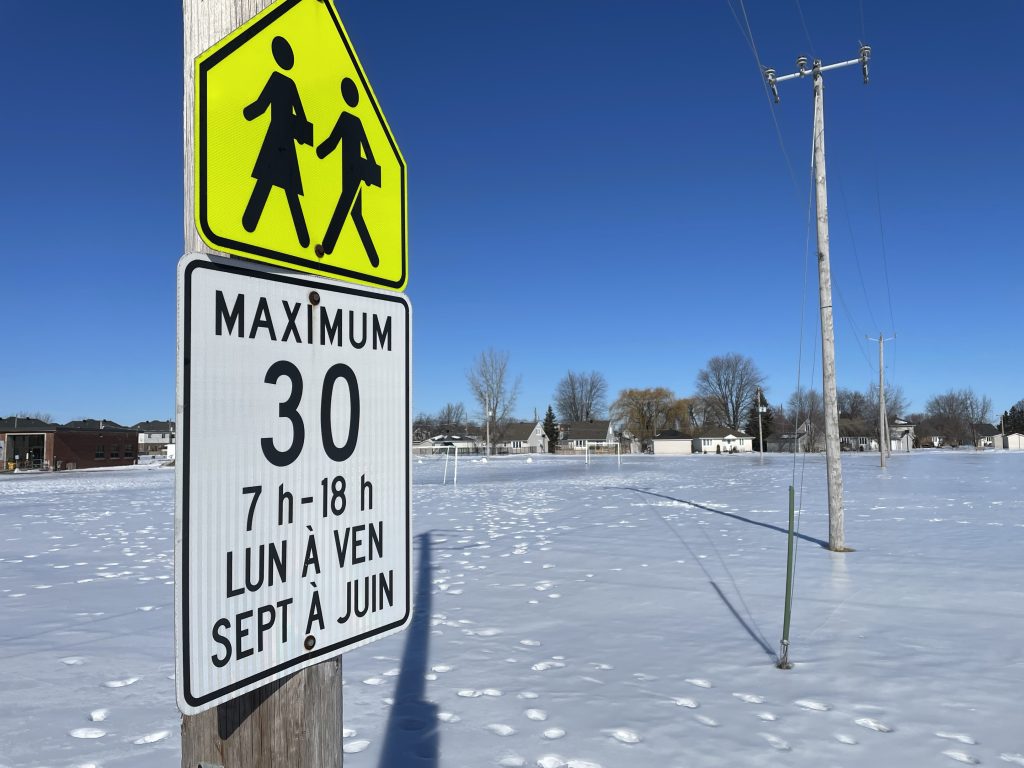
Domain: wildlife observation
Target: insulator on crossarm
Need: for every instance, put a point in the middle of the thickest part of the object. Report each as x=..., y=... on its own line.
x=769, y=76
x=865, y=55
x=801, y=64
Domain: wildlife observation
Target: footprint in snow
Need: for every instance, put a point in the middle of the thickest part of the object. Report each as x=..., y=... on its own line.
x=551, y=761
x=684, y=701
x=536, y=714
x=624, y=735
x=87, y=733
x=347, y=733
x=700, y=683
x=767, y=716
x=491, y=692
x=500, y=729
x=530, y=643
x=512, y=761
x=99, y=715
x=373, y=681
x=1016, y=758
x=775, y=742
x=963, y=738
x=749, y=698
x=447, y=717
x=355, y=746
x=553, y=733
x=469, y=693
x=527, y=695
x=873, y=725
x=842, y=738
x=73, y=661
x=152, y=738
x=542, y=666
x=708, y=721
x=441, y=668
x=121, y=683
x=961, y=757
x=815, y=706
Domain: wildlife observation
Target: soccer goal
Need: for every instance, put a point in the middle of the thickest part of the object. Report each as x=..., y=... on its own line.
x=603, y=449
x=446, y=457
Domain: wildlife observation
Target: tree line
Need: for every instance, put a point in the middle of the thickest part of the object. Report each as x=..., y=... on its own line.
x=727, y=392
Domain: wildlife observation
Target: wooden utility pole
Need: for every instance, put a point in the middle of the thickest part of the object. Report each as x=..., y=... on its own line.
x=760, y=436
x=295, y=721
x=884, y=446
x=834, y=471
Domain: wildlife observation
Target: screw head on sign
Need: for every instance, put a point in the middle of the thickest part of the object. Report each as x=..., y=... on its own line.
x=309, y=643
x=314, y=298
x=319, y=251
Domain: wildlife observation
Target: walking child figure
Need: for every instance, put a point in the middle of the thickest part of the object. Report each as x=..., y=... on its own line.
x=277, y=164
x=357, y=167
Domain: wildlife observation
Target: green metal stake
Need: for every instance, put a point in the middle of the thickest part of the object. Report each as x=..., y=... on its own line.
x=784, y=647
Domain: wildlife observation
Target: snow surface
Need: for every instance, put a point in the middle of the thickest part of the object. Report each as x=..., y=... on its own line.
x=573, y=616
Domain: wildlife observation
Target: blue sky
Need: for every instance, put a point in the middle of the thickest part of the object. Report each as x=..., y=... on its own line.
x=592, y=186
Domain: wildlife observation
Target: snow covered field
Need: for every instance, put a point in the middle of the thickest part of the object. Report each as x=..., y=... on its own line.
x=573, y=615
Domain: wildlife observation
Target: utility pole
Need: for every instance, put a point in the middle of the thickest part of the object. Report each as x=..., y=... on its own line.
x=297, y=721
x=760, y=437
x=834, y=472
x=884, y=446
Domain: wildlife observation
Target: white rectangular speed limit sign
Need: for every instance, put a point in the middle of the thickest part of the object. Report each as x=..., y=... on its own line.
x=291, y=538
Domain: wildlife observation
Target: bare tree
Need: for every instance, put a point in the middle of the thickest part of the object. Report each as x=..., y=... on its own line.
x=895, y=401
x=855, y=406
x=643, y=411
x=956, y=414
x=581, y=396
x=806, y=409
x=451, y=417
x=728, y=385
x=488, y=380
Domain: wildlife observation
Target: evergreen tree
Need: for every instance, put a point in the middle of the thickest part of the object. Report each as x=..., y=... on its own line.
x=1013, y=420
x=550, y=429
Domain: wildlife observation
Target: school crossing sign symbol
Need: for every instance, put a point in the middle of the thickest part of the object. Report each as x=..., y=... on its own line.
x=295, y=164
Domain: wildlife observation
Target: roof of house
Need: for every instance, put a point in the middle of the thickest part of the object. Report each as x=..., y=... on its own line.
x=162, y=425
x=93, y=424
x=986, y=430
x=672, y=434
x=720, y=432
x=595, y=429
x=25, y=423
x=518, y=430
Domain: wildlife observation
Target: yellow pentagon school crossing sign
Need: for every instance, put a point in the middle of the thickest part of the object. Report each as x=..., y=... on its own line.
x=295, y=163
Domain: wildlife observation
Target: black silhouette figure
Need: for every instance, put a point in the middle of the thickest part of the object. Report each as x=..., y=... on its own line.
x=357, y=167
x=278, y=164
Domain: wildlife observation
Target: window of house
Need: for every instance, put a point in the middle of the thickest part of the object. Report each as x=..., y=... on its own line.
x=115, y=452
x=100, y=453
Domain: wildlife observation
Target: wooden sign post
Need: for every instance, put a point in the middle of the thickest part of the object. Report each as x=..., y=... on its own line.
x=295, y=721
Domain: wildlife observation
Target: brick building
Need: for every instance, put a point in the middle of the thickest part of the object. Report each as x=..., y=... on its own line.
x=82, y=444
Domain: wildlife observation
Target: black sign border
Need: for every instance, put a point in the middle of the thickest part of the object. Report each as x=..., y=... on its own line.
x=184, y=434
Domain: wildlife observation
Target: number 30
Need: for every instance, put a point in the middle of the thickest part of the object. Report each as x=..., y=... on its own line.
x=289, y=409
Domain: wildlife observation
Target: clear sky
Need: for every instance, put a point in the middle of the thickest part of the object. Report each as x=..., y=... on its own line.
x=592, y=186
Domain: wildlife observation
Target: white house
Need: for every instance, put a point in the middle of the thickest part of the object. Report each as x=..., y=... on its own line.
x=577, y=435
x=671, y=442
x=1014, y=441
x=723, y=440
x=155, y=437
x=444, y=444
x=522, y=437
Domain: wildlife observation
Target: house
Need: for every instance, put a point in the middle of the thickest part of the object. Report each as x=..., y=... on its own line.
x=522, y=437
x=671, y=442
x=155, y=437
x=81, y=444
x=577, y=435
x=445, y=443
x=723, y=440
x=902, y=435
x=985, y=435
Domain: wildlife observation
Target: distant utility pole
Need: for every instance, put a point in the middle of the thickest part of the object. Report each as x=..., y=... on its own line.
x=760, y=438
x=828, y=356
x=884, y=445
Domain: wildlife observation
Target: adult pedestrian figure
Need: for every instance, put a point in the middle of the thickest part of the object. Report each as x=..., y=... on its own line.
x=277, y=164
x=357, y=167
